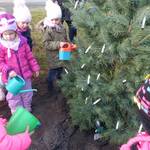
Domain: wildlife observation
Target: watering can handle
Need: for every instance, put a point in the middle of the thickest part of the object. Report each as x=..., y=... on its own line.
x=28, y=90
x=18, y=77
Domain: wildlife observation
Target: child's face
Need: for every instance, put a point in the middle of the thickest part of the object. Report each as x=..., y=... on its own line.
x=23, y=25
x=56, y=21
x=9, y=35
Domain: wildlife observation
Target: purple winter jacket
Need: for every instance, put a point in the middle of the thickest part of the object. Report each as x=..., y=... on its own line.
x=21, y=61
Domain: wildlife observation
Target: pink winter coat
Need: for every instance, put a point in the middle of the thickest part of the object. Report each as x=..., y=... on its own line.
x=142, y=140
x=20, y=141
x=21, y=61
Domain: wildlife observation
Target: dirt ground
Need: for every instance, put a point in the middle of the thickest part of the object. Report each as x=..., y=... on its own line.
x=56, y=132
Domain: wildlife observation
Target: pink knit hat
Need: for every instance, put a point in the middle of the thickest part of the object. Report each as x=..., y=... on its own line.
x=7, y=22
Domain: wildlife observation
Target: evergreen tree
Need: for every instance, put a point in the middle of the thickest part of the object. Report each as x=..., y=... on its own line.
x=113, y=59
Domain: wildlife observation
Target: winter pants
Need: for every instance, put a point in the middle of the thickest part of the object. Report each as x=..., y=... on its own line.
x=21, y=99
x=53, y=75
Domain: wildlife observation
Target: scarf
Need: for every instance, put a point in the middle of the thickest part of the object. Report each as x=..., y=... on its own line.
x=10, y=45
x=51, y=25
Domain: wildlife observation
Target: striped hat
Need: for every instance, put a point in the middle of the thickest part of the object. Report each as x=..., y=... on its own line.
x=143, y=96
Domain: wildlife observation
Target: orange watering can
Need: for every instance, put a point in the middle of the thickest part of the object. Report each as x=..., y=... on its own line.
x=65, y=51
x=73, y=47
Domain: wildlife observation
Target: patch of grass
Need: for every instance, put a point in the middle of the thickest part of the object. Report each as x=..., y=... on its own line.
x=38, y=49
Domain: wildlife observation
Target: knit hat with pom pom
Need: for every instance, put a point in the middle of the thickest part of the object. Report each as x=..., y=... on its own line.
x=21, y=12
x=53, y=10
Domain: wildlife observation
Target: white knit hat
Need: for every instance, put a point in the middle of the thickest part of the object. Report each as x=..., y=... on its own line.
x=53, y=10
x=21, y=11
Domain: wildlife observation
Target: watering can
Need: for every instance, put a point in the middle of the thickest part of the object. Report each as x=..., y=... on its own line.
x=15, y=85
x=65, y=51
x=19, y=121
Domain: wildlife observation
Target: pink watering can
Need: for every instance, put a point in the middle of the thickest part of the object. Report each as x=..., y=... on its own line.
x=15, y=85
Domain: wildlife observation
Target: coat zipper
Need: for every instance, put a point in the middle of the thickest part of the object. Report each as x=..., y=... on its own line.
x=18, y=61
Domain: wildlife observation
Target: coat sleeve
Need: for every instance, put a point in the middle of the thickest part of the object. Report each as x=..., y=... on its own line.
x=4, y=68
x=20, y=141
x=31, y=59
x=49, y=43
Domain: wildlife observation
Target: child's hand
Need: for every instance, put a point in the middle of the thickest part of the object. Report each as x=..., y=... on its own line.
x=3, y=121
x=135, y=99
x=37, y=74
x=63, y=44
x=27, y=130
x=12, y=74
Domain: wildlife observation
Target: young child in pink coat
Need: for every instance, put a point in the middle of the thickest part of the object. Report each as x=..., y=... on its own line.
x=16, y=58
x=20, y=141
x=142, y=140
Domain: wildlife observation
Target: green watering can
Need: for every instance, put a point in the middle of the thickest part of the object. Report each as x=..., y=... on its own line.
x=15, y=85
x=19, y=121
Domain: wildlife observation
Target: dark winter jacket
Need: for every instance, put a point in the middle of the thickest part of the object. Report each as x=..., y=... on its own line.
x=27, y=35
x=66, y=14
x=21, y=61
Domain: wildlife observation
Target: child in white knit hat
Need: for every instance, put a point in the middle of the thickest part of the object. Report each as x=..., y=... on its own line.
x=23, y=19
x=54, y=37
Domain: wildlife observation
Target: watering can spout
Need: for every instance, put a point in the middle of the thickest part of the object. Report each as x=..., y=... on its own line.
x=28, y=90
x=16, y=84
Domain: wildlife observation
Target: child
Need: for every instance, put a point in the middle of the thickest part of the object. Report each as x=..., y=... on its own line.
x=2, y=92
x=142, y=99
x=54, y=37
x=66, y=16
x=16, y=58
x=20, y=141
x=23, y=18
